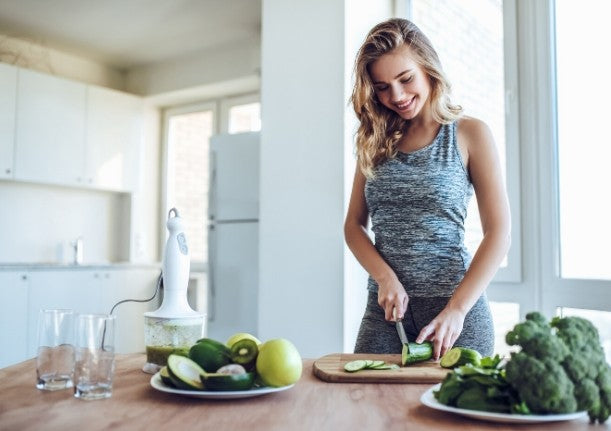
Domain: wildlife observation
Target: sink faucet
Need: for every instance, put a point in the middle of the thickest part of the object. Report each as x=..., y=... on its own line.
x=78, y=250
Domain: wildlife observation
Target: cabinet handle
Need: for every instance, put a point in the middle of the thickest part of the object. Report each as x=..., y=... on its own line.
x=8, y=171
x=24, y=277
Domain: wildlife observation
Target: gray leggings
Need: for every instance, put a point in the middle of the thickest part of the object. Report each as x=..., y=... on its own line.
x=376, y=335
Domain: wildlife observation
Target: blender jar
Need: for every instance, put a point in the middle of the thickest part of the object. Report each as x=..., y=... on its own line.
x=164, y=336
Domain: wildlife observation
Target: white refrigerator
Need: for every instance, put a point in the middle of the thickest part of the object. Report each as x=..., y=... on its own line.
x=233, y=235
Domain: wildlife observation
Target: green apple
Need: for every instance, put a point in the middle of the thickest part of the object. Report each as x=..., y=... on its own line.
x=279, y=363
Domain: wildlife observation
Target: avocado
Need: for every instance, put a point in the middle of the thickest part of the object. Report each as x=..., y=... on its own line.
x=210, y=354
x=185, y=373
x=228, y=382
x=164, y=374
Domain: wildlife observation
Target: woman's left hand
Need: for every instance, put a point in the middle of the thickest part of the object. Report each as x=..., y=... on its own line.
x=443, y=331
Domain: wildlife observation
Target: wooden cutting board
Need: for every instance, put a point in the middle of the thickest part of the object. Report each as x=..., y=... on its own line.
x=330, y=368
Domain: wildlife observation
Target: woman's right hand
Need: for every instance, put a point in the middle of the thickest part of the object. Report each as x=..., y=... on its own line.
x=392, y=295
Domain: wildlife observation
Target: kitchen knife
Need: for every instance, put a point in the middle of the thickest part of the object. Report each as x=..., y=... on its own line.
x=402, y=337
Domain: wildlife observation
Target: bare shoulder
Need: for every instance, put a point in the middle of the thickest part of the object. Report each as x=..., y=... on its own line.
x=474, y=131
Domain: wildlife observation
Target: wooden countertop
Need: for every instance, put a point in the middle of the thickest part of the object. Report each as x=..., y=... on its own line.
x=310, y=405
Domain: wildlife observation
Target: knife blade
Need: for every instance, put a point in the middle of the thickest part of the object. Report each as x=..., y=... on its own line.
x=402, y=337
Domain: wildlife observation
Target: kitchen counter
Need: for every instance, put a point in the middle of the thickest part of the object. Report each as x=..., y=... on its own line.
x=46, y=266
x=310, y=405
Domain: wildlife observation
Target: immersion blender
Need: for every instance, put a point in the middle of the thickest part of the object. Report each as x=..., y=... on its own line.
x=175, y=326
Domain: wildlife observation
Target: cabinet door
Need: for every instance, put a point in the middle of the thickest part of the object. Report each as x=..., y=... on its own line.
x=8, y=88
x=130, y=284
x=13, y=319
x=79, y=290
x=50, y=133
x=113, y=138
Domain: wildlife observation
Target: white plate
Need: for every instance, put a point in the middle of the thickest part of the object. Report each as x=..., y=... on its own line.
x=428, y=399
x=158, y=384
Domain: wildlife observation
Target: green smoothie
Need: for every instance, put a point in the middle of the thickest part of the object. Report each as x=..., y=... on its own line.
x=159, y=354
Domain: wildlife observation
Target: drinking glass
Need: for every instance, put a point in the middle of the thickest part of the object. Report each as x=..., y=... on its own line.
x=55, y=359
x=95, y=356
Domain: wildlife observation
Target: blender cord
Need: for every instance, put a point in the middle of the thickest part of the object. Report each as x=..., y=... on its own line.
x=159, y=284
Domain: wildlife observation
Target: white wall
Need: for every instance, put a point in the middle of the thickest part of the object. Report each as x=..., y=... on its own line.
x=360, y=18
x=35, y=220
x=305, y=65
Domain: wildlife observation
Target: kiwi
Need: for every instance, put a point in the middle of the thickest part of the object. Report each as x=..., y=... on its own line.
x=244, y=352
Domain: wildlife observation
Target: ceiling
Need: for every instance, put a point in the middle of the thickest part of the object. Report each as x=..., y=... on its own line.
x=129, y=33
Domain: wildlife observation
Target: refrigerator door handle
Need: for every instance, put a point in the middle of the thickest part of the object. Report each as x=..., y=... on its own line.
x=212, y=187
x=211, y=264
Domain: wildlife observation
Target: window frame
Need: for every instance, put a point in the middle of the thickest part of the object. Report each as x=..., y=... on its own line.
x=220, y=107
x=229, y=102
x=167, y=113
x=556, y=291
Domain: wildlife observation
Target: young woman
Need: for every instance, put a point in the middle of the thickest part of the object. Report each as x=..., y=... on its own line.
x=419, y=161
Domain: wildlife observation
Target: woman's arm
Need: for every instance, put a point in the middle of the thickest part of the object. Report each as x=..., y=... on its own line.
x=391, y=293
x=483, y=164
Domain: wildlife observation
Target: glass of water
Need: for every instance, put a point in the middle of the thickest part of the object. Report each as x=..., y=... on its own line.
x=55, y=359
x=95, y=356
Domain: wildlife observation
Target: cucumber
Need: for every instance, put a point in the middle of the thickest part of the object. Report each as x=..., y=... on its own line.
x=414, y=352
x=185, y=373
x=352, y=366
x=368, y=364
x=458, y=356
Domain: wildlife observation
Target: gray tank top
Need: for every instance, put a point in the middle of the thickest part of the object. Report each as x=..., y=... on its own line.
x=418, y=203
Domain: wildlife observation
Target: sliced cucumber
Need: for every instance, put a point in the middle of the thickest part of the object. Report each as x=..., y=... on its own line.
x=185, y=373
x=414, y=352
x=368, y=364
x=458, y=356
x=386, y=367
x=352, y=366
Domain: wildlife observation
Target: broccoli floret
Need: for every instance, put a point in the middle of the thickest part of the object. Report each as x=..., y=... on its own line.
x=535, y=337
x=586, y=365
x=541, y=383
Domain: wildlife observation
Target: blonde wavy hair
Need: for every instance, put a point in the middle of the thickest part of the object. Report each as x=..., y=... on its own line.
x=380, y=128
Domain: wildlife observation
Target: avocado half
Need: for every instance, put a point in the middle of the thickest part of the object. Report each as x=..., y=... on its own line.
x=185, y=373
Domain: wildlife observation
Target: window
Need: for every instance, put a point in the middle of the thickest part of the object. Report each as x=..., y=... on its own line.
x=188, y=141
x=583, y=146
x=470, y=38
x=188, y=130
x=241, y=114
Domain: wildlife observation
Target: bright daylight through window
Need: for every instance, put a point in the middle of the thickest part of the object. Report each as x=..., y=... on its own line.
x=584, y=149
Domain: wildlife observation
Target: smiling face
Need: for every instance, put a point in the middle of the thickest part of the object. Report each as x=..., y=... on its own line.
x=400, y=83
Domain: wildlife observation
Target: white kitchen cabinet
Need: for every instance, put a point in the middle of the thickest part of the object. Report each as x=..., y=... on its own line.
x=80, y=290
x=50, y=129
x=131, y=284
x=13, y=318
x=8, y=88
x=113, y=135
